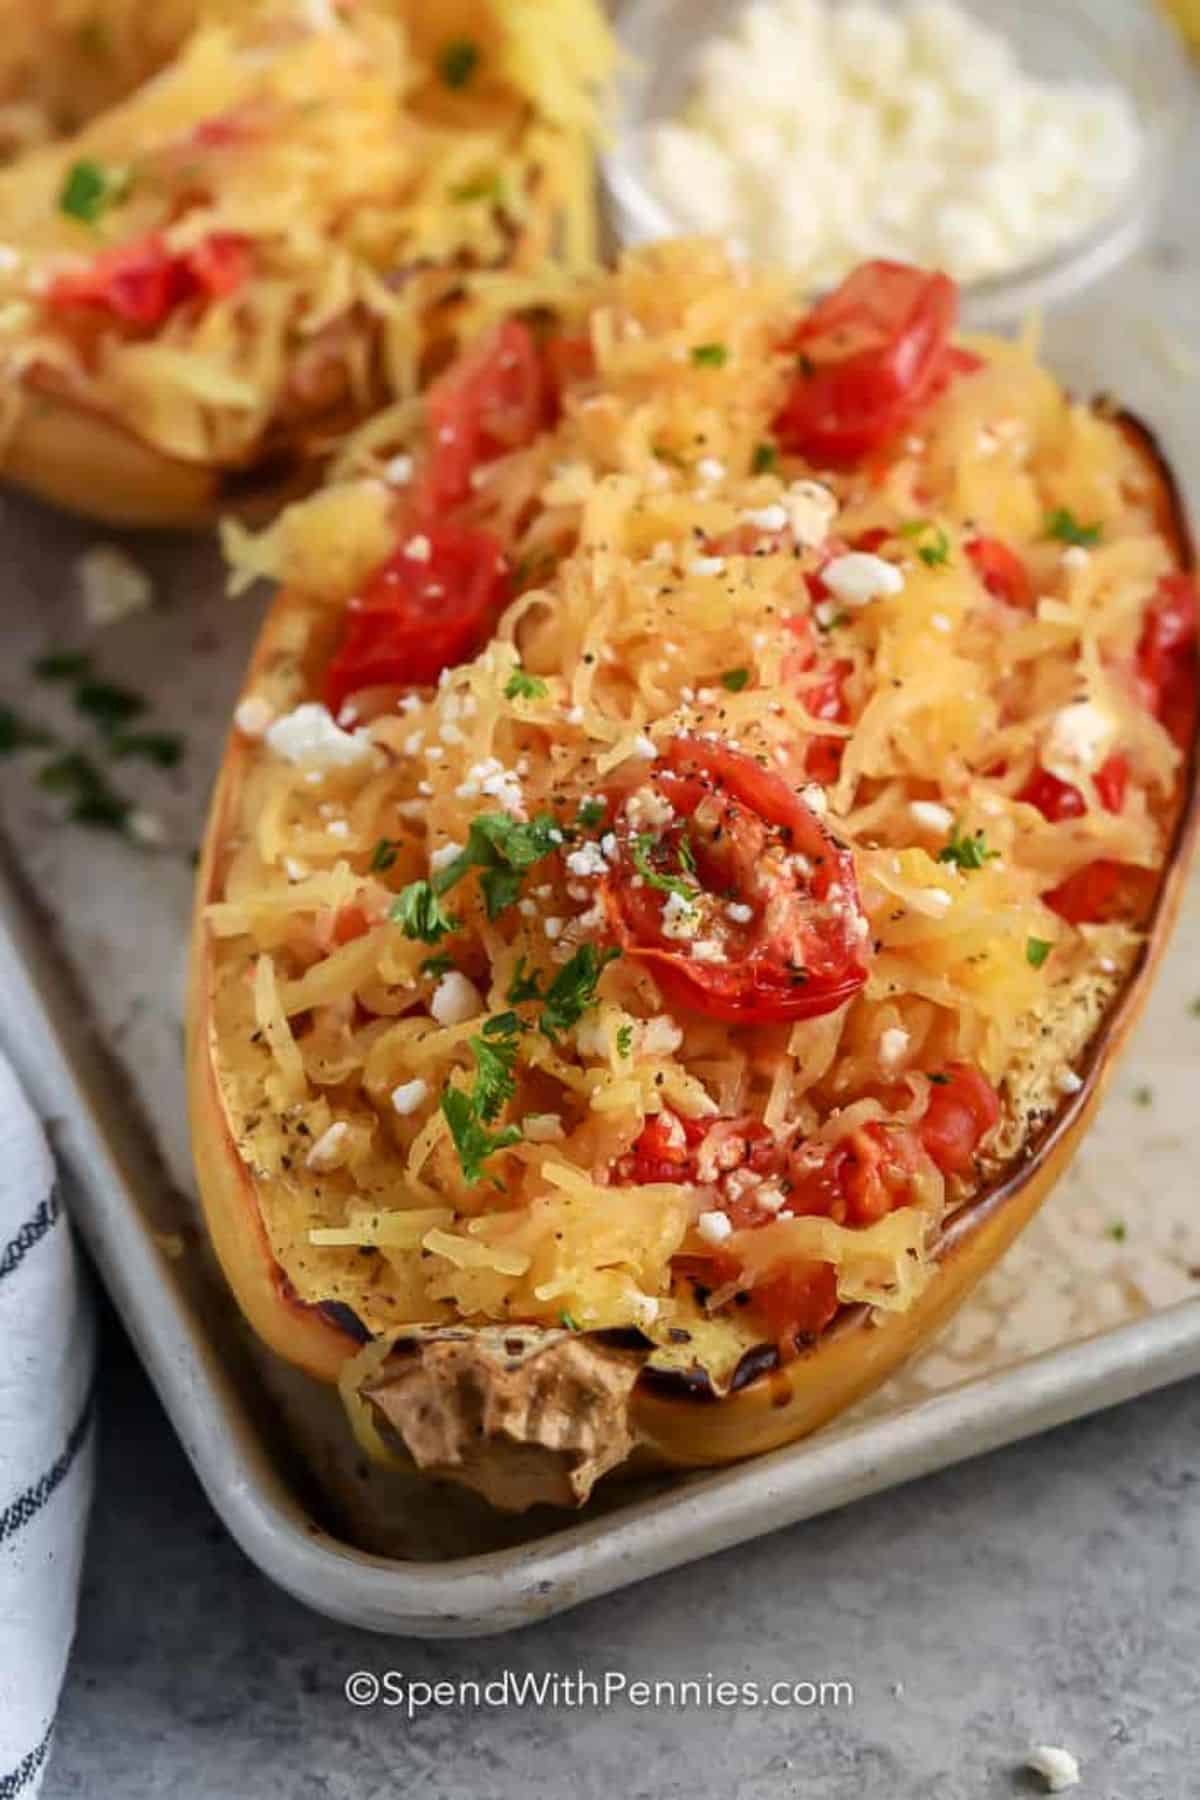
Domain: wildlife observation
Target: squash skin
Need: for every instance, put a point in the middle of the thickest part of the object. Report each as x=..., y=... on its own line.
x=676, y=1426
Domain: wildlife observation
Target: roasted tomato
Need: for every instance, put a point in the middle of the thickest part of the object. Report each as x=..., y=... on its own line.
x=824, y=695
x=797, y=1303
x=1001, y=571
x=1089, y=894
x=494, y=399
x=869, y=356
x=963, y=1108
x=742, y=906
x=429, y=607
x=1166, y=657
x=1056, y=799
x=142, y=283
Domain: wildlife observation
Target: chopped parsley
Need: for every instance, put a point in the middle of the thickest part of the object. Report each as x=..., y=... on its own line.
x=383, y=856
x=495, y=1056
x=469, y=1111
x=91, y=799
x=643, y=843
x=569, y=1322
x=735, y=680
x=91, y=188
x=1036, y=951
x=17, y=733
x=473, y=1141
x=163, y=748
x=591, y=813
x=764, y=459
x=523, y=987
x=458, y=61
x=709, y=356
x=62, y=665
x=107, y=705
x=480, y=187
x=970, y=852
x=574, y=989
x=418, y=910
x=936, y=552
x=1063, y=525
x=624, y=1040
x=1117, y=1231
x=521, y=686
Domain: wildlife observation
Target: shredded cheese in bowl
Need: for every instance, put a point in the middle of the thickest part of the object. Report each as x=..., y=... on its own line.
x=676, y=951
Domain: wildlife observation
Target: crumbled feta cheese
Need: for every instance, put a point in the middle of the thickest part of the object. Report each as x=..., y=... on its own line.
x=709, y=469
x=294, y=869
x=1079, y=739
x=1069, y=1082
x=1076, y=556
x=418, y=548
x=892, y=1045
x=455, y=999
x=253, y=715
x=648, y=810
x=490, y=777
x=1057, y=1768
x=679, y=918
x=811, y=510
x=443, y=856
x=815, y=798
x=739, y=912
x=709, y=950
x=329, y=1151
x=410, y=1096
x=309, y=735
x=707, y=565
x=398, y=471
x=338, y=828
x=112, y=584
x=645, y=747
x=661, y=1036
x=587, y=860
x=931, y=815
x=940, y=622
x=713, y=1227
x=766, y=518
x=553, y=928
x=858, y=578
x=542, y=1128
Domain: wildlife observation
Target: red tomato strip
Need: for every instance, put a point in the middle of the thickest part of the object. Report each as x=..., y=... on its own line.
x=1002, y=572
x=142, y=283
x=493, y=400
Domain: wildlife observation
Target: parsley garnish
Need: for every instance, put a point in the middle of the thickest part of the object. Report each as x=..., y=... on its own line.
x=1063, y=525
x=495, y=1056
x=735, y=680
x=523, y=987
x=17, y=733
x=521, y=686
x=90, y=188
x=935, y=553
x=91, y=799
x=764, y=459
x=1117, y=1232
x=383, y=856
x=418, y=910
x=709, y=356
x=574, y=989
x=163, y=748
x=568, y=1322
x=642, y=845
x=458, y=61
x=624, y=1040
x=1036, y=951
x=62, y=665
x=108, y=705
x=591, y=813
x=969, y=852
x=472, y=1140
x=469, y=1111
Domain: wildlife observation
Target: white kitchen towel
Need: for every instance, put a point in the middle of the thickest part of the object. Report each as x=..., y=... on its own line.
x=47, y=1365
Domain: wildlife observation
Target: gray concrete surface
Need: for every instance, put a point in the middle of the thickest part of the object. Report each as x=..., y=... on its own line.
x=1048, y=1593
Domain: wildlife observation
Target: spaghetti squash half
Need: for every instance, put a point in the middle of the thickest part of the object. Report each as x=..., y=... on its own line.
x=684, y=839
x=206, y=288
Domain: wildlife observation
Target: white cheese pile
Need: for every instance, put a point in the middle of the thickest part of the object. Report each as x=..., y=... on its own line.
x=817, y=135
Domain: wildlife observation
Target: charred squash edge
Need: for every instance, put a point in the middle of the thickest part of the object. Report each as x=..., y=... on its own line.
x=679, y=1419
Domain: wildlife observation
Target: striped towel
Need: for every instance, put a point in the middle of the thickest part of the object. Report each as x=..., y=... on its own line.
x=47, y=1359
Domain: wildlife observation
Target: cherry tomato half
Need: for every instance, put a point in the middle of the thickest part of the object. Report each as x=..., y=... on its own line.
x=869, y=355
x=1166, y=657
x=746, y=873
x=1001, y=571
x=420, y=614
x=141, y=283
x=494, y=399
x=961, y=1111
x=1056, y=799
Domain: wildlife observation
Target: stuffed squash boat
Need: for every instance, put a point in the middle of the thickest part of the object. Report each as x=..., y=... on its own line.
x=211, y=285
x=689, y=851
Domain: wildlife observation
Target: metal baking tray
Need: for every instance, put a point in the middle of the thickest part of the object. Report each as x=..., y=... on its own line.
x=93, y=936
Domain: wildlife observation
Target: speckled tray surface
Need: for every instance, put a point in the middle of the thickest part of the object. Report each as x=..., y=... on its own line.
x=1098, y=1300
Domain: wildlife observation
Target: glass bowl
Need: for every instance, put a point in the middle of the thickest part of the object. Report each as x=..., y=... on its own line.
x=1123, y=43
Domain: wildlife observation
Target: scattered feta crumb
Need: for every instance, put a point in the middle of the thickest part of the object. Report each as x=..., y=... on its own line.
x=739, y=912
x=330, y=1148
x=455, y=999
x=1069, y=1082
x=443, y=856
x=709, y=469
x=398, y=471
x=648, y=810
x=112, y=584
x=709, y=950
x=1079, y=739
x=707, y=565
x=767, y=518
x=338, y=828
x=815, y=798
x=553, y=928
x=542, y=1128
x=931, y=815
x=418, y=548
x=253, y=715
x=1057, y=1768
x=679, y=920
x=645, y=747
x=892, y=1045
x=661, y=1036
x=1076, y=556
x=309, y=735
x=858, y=577
x=940, y=622
x=409, y=1096
x=587, y=860
x=811, y=510
x=713, y=1227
